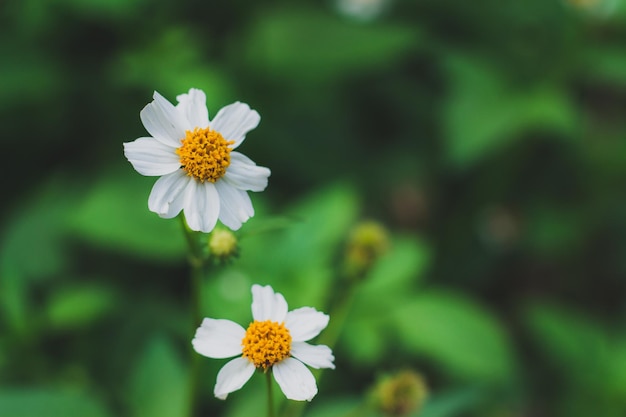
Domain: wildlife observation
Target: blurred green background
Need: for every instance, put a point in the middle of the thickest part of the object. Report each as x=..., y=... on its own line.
x=489, y=138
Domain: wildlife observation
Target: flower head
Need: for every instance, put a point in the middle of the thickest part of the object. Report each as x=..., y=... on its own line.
x=400, y=394
x=200, y=172
x=367, y=242
x=275, y=341
x=223, y=244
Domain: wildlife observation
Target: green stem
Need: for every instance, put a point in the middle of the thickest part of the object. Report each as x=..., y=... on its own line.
x=196, y=263
x=194, y=372
x=338, y=317
x=270, y=397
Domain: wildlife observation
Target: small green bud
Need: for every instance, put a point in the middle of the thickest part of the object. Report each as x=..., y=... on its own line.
x=366, y=243
x=223, y=244
x=399, y=394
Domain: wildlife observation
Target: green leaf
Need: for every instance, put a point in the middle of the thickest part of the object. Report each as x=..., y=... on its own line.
x=484, y=113
x=184, y=68
x=31, y=248
x=304, y=45
x=399, y=269
x=115, y=215
x=606, y=64
x=49, y=402
x=34, y=232
x=615, y=381
x=341, y=407
x=451, y=403
x=457, y=333
x=298, y=257
x=80, y=306
x=366, y=340
x=325, y=218
x=570, y=339
x=158, y=384
x=295, y=258
x=391, y=283
x=587, y=360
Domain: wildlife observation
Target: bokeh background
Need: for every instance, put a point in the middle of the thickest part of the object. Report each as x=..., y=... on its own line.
x=488, y=137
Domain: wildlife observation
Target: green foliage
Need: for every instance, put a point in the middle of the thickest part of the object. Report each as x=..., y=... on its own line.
x=339, y=408
x=488, y=140
x=101, y=219
x=36, y=402
x=158, y=383
x=144, y=65
x=485, y=112
x=30, y=252
x=452, y=403
x=590, y=358
x=458, y=333
x=293, y=44
x=389, y=286
x=79, y=306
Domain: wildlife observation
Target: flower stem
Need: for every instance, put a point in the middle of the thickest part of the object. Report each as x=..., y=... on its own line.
x=338, y=315
x=196, y=263
x=270, y=397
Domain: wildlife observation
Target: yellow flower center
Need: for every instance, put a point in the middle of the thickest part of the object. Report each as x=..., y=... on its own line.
x=204, y=154
x=266, y=343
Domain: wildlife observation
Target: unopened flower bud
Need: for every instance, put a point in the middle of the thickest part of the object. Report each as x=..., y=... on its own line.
x=223, y=244
x=366, y=243
x=400, y=394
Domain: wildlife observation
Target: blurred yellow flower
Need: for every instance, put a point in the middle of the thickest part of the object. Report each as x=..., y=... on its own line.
x=400, y=394
x=367, y=242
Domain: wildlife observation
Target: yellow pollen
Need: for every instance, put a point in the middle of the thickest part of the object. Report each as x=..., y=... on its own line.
x=204, y=154
x=266, y=343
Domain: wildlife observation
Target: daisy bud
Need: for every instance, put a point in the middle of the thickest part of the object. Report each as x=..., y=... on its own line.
x=366, y=243
x=401, y=394
x=223, y=244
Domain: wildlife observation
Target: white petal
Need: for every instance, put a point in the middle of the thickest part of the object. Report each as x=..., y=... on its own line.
x=168, y=194
x=234, y=121
x=193, y=107
x=305, y=323
x=151, y=157
x=232, y=377
x=319, y=356
x=268, y=305
x=235, y=205
x=163, y=121
x=244, y=174
x=202, y=206
x=295, y=380
x=218, y=338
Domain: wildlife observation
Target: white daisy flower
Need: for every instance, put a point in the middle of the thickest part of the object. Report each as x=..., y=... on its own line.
x=200, y=172
x=275, y=341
